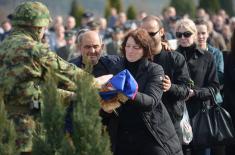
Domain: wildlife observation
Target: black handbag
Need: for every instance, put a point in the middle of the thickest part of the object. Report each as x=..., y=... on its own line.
x=212, y=125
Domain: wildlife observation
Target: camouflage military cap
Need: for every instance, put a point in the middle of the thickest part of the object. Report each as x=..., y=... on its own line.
x=69, y=34
x=31, y=14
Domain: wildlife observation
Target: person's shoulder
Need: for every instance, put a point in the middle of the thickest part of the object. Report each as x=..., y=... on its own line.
x=154, y=70
x=112, y=57
x=60, y=49
x=62, y=52
x=218, y=35
x=28, y=45
x=108, y=59
x=21, y=41
x=210, y=48
x=208, y=56
x=112, y=62
x=76, y=61
x=176, y=53
x=27, y=42
x=154, y=66
x=214, y=50
x=19, y=44
x=40, y=49
x=175, y=56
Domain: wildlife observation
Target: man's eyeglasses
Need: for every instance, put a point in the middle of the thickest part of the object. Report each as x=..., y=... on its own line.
x=186, y=34
x=152, y=34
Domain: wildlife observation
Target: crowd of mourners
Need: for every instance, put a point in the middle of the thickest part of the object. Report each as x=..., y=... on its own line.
x=113, y=29
x=200, y=51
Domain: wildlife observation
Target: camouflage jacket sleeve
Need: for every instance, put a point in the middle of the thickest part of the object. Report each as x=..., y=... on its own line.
x=65, y=73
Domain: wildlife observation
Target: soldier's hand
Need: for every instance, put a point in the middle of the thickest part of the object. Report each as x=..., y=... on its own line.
x=102, y=80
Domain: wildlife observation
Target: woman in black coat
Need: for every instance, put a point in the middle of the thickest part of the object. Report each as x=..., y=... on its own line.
x=229, y=88
x=202, y=69
x=142, y=125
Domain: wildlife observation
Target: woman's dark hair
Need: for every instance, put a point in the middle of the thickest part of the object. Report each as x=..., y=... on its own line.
x=202, y=22
x=142, y=39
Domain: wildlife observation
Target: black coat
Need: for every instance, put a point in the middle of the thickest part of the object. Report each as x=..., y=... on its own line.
x=202, y=70
x=149, y=105
x=175, y=66
x=229, y=86
x=229, y=93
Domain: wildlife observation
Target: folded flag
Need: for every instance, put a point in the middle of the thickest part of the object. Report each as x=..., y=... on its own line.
x=107, y=95
x=123, y=83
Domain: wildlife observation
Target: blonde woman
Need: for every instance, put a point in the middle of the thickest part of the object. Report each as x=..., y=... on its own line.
x=201, y=67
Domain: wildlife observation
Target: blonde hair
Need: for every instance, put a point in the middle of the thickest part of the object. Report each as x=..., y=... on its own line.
x=188, y=24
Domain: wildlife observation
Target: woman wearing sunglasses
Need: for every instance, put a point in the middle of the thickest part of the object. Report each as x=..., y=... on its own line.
x=202, y=70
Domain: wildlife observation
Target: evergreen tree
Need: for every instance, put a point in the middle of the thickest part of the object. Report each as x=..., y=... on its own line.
x=184, y=7
x=87, y=137
x=90, y=138
x=211, y=6
x=7, y=133
x=131, y=12
x=50, y=137
x=118, y=4
x=76, y=11
x=107, y=9
x=228, y=6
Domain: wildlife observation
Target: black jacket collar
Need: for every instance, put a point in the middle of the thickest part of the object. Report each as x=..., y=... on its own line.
x=143, y=64
x=195, y=51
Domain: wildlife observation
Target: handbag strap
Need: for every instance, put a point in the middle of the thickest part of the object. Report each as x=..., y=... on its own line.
x=212, y=91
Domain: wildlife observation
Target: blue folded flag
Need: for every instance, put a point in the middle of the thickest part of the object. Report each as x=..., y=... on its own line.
x=108, y=95
x=124, y=83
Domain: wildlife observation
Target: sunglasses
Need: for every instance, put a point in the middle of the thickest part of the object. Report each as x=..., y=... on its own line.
x=152, y=34
x=186, y=34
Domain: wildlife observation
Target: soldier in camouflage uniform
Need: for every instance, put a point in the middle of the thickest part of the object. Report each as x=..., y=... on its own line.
x=24, y=64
